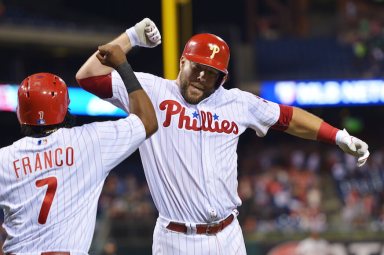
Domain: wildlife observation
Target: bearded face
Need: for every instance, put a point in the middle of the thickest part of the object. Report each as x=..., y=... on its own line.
x=196, y=81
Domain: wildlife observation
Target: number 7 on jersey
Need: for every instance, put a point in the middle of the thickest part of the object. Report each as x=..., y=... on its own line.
x=48, y=199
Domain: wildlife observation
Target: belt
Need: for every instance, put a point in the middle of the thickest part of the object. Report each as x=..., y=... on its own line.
x=48, y=253
x=207, y=229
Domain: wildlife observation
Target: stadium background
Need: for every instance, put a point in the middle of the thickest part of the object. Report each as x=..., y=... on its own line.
x=289, y=187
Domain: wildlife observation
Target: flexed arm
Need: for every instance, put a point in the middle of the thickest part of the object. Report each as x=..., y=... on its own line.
x=143, y=34
x=113, y=56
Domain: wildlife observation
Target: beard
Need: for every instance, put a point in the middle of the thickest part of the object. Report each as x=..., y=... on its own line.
x=186, y=95
x=191, y=94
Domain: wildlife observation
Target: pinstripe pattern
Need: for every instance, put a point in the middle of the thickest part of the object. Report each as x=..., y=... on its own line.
x=191, y=162
x=97, y=148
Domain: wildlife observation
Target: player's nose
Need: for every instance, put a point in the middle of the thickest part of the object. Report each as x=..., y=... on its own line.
x=201, y=76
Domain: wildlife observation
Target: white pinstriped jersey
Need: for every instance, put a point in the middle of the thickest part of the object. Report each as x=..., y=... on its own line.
x=49, y=187
x=191, y=162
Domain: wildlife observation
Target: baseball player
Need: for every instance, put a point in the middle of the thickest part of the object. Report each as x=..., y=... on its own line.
x=191, y=162
x=50, y=180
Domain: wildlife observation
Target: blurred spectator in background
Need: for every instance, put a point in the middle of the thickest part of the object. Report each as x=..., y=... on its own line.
x=313, y=245
x=123, y=197
x=362, y=23
x=110, y=248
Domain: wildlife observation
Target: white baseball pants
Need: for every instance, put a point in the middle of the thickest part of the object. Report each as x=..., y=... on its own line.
x=229, y=241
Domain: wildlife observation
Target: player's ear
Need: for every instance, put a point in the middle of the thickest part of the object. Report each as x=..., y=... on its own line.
x=182, y=61
x=224, y=79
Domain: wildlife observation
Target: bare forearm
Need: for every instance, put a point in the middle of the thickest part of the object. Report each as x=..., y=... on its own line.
x=304, y=124
x=93, y=67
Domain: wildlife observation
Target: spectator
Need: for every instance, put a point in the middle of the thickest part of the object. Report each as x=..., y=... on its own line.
x=313, y=245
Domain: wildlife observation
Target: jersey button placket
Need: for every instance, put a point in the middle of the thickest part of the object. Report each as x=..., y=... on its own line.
x=211, y=211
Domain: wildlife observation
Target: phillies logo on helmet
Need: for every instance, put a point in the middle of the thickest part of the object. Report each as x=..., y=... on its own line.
x=215, y=49
x=208, y=49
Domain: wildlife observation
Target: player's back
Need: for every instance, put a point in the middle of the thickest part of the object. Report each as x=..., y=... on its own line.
x=49, y=186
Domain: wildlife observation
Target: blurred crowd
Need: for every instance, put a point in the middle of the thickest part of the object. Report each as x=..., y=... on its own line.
x=125, y=196
x=362, y=27
x=313, y=190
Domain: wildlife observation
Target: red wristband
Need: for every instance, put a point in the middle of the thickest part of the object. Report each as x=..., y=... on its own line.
x=327, y=133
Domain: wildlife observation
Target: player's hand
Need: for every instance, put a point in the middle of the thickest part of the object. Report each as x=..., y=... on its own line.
x=353, y=146
x=144, y=34
x=111, y=55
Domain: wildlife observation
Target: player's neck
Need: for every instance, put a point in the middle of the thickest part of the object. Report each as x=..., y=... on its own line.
x=45, y=133
x=50, y=131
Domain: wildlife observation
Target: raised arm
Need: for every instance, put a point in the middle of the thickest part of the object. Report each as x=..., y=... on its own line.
x=93, y=67
x=144, y=34
x=113, y=56
x=306, y=125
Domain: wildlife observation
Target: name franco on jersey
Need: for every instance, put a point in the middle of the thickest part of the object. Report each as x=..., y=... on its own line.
x=44, y=161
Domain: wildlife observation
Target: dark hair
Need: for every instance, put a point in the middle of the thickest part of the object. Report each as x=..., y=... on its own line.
x=40, y=131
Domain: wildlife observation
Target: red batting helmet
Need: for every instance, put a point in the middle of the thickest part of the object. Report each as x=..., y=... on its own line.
x=42, y=100
x=209, y=50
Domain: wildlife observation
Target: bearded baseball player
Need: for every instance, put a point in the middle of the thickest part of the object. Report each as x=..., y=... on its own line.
x=50, y=180
x=191, y=162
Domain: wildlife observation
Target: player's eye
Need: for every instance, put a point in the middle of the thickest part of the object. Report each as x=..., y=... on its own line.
x=212, y=73
x=196, y=67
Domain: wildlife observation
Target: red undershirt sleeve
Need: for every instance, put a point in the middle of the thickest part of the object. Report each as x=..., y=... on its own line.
x=285, y=118
x=100, y=86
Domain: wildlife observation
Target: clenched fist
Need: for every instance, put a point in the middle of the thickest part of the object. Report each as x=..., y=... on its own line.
x=144, y=34
x=111, y=55
x=353, y=146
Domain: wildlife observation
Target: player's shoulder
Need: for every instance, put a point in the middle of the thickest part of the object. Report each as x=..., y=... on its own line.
x=4, y=152
x=132, y=119
x=19, y=142
x=16, y=144
x=237, y=94
x=4, y=149
x=152, y=79
x=148, y=77
x=145, y=76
